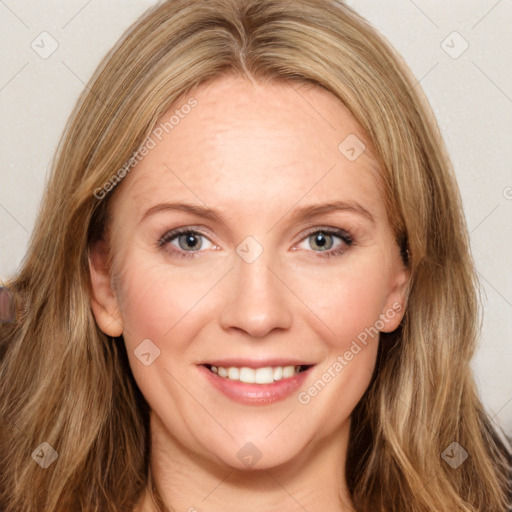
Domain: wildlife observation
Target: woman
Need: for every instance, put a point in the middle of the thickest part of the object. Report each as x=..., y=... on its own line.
x=250, y=285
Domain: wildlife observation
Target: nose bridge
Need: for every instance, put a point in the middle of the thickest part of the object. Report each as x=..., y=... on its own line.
x=256, y=275
x=258, y=302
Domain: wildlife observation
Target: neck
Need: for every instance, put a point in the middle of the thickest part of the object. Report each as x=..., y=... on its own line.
x=313, y=480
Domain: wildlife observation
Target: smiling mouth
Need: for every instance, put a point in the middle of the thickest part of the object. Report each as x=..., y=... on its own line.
x=265, y=375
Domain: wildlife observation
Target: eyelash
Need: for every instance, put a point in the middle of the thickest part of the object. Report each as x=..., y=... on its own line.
x=172, y=235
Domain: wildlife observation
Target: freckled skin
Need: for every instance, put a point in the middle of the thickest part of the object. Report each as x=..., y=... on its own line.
x=253, y=154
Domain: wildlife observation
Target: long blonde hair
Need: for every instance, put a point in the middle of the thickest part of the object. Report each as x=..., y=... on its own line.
x=64, y=383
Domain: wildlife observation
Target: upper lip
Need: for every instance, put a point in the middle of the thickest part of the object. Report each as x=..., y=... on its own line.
x=255, y=363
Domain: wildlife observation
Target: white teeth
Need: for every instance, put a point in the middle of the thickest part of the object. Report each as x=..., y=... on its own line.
x=278, y=373
x=288, y=371
x=247, y=375
x=266, y=375
x=234, y=373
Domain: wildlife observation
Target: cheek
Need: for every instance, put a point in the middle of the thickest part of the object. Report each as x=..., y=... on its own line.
x=338, y=309
x=158, y=301
x=160, y=305
x=350, y=304
x=350, y=307
x=348, y=301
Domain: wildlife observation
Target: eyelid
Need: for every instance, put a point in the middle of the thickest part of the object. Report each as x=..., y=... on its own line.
x=173, y=234
x=342, y=233
x=346, y=240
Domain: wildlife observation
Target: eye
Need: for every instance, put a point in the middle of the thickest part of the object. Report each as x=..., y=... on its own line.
x=183, y=241
x=327, y=242
x=187, y=242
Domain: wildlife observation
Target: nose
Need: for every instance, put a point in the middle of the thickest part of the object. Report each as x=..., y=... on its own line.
x=258, y=300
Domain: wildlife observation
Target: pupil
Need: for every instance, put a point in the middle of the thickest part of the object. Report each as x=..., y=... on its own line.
x=190, y=241
x=321, y=241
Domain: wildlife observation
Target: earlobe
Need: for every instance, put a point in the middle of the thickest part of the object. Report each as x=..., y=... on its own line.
x=104, y=302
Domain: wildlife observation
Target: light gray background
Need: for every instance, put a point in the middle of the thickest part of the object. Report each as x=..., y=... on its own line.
x=471, y=96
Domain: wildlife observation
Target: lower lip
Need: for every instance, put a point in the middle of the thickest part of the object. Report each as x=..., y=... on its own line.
x=255, y=394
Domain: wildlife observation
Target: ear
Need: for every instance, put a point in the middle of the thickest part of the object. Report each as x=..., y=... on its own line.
x=395, y=304
x=104, y=302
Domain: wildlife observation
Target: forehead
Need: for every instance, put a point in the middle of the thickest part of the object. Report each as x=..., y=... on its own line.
x=245, y=143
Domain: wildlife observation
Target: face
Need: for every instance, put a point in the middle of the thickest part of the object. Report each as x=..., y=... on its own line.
x=248, y=242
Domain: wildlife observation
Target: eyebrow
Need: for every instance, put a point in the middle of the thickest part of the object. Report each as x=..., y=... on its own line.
x=300, y=214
